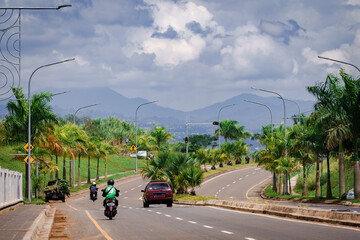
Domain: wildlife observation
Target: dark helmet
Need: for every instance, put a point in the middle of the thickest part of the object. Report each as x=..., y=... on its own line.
x=110, y=182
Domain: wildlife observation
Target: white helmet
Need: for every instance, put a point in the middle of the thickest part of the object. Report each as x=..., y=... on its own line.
x=94, y=183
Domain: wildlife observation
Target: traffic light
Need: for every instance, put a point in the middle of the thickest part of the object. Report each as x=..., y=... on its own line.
x=186, y=140
x=216, y=123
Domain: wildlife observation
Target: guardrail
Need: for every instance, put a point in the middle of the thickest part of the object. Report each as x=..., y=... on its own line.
x=11, y=187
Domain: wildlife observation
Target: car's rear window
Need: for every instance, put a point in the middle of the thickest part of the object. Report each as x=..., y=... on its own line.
x=159, y=186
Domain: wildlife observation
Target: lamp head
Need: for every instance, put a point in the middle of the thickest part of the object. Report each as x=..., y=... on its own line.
x=63, y=6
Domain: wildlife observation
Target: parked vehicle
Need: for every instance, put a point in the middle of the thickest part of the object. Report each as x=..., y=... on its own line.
x=157, y=192
x=56, y=190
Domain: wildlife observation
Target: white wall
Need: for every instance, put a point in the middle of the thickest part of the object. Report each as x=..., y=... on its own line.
x=11, y=187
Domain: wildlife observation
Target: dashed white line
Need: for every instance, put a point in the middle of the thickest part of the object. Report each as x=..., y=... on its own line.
x=150, y=210
x=228, y=185
x=227, y=232
x=167, y=215
x=206, y=226
x=246, y=175
x=177, y=218
x=247, y=238
x=132, y=189
x=192, y=222
x=140, y=185
x=234, y=181
x=158, y=212
x=240, y=179
x=125, y=191
x=125, y=197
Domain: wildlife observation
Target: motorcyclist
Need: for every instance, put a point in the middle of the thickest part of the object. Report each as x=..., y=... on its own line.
x=110, y=192
x=93, y=188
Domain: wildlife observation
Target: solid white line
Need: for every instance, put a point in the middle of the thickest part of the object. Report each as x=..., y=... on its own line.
x=192, y=222
x=227, y=232
x=206, y=226
x=167, y=215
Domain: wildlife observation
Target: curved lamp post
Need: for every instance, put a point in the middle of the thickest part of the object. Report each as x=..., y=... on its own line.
x=29, y=124
x=334, y=60
x=136, y=163
x=230, y=105
x=261, y=104
x=264, y=90
x=83, y=108
x=73, y=161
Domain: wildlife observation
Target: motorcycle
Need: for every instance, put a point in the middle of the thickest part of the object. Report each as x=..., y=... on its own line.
x=110, y=208
x=93, y=195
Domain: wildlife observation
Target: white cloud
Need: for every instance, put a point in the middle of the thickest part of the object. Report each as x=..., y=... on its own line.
x=353, y=2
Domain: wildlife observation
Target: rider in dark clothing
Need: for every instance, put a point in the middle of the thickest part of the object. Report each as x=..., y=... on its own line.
x=93, y=188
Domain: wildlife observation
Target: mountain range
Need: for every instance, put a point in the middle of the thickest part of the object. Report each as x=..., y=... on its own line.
x=113, y=104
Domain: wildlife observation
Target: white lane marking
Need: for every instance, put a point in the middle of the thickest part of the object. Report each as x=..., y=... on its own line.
x=158, y=212
x=206, y=226
x=125, y=197
x=234, y=181
x=247, y=238
x=254, y=172
x=140, y=185
x=130, y=207
x=150, y=210
x=247, y=168
x=228, y=185
x=223, y=187
x=137, y=208
x=246, y=175
x=219, y=190
x=167, y=215
x=177, y=218
x=140, y=198
x=240, y=179
x=132, y=189
x=192, y=222
x=125, y=191
x=227, y=232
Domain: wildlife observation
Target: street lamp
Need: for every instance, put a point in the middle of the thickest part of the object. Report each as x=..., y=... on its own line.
x=286, y=191
x=83, y=108
x=334, y=60
x=73, y=161
x=271, y=120
x=136, y=150
x=230, y=105
x=29, y=124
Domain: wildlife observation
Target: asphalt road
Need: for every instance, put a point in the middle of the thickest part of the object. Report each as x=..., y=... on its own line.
x=86, y=220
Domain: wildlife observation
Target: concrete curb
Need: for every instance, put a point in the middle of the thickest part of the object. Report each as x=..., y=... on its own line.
x=49, y=221
x=324, y=216
x=35, y=228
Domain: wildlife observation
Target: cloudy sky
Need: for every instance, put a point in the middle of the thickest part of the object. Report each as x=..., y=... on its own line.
x=188, y=54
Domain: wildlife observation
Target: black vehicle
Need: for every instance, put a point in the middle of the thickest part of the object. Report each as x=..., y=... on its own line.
x=56, y=190
x=110, y=208
x=93, y=192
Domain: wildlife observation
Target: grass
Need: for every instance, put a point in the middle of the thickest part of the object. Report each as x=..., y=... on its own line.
x=188, y=197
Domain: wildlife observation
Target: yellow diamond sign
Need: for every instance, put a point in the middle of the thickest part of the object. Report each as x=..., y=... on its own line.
x=26, y=159
x=26, y=147
x=133, y=148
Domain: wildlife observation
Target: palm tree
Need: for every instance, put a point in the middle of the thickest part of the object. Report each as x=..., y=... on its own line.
x=161, y=136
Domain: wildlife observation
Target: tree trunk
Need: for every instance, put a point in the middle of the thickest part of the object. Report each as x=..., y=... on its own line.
x=105, y=168
x=356, y=170
x=97, y=169
x=88, y=178
x=305, y=190
x=284, y=185
x=280, y=184
x=328, y=184
x=57, y=171
x=64, y=169
x=317, y=190
x=79, y=173
x=290, y=190
x=341, y=171
x=274, y=188
x=70, y=173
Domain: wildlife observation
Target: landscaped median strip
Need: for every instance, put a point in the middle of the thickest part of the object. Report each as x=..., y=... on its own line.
x=324, y=216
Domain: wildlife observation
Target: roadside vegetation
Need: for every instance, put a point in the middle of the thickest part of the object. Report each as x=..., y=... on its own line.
x=324, y=146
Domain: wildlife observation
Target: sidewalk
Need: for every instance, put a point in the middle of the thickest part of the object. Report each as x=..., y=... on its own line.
x=21, y=222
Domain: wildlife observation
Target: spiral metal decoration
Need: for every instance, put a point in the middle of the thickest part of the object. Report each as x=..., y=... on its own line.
x=10, y=51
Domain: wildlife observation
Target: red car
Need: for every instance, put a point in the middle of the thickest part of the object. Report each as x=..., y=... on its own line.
x=157, y=192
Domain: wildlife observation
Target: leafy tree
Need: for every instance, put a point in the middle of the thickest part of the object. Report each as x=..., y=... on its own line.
x=161, y=136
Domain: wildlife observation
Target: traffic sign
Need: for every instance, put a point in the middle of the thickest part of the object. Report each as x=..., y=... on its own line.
x=26, y=147
x=26, y=159
x=133, y=148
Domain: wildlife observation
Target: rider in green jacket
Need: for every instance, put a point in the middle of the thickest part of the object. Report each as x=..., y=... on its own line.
x=110, y=192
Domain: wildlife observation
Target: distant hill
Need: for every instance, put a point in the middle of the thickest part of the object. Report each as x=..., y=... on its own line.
x=252, y=116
